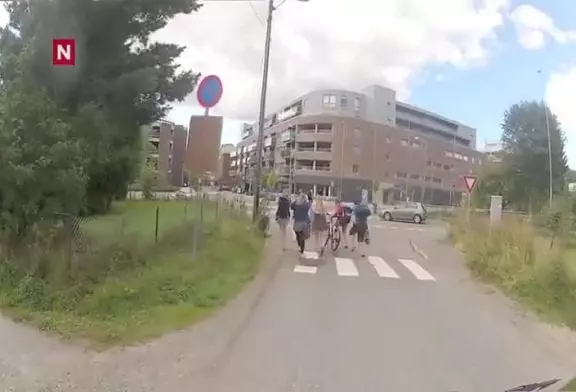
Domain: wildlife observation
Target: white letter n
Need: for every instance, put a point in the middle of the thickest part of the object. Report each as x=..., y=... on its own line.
x=64, y=52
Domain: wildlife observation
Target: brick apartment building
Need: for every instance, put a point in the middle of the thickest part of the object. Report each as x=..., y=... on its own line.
x=224, y=160
x=168, y=149
x=203, y=149
x=337, y=142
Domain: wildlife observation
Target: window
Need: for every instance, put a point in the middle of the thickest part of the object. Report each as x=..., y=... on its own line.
x=388, y=140
x=387, y=174
x=357, y=150
x=355, y=168
x=329, y=101
x=414, y=176
x=401, y=175
x=357, y=104
x=357, y=132
x=343, y=101
x=437, y=180
x=387, y=157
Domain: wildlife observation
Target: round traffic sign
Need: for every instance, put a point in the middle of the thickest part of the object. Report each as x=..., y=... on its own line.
x=209, y=91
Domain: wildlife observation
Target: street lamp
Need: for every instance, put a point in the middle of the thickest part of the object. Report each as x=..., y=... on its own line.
x=549, y=147
x=262, y=114
x=549, y=151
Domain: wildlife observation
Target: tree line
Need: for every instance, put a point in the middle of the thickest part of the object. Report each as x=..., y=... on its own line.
x=70, y=137
x=522, y=173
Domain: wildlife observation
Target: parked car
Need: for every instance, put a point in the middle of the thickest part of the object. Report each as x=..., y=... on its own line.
x=406, y=211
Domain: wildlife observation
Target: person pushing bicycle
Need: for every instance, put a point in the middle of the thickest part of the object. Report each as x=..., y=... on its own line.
x=343, y=213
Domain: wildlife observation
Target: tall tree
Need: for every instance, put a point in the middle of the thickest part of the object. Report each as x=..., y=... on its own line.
x=526, y=163
x=42, y=173
x=122, y=80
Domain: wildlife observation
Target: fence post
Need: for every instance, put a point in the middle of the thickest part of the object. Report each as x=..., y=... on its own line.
x=157, y=223
x=194, y=238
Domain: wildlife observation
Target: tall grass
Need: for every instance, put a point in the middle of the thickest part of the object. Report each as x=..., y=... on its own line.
x=137, y=288
x=514, y=257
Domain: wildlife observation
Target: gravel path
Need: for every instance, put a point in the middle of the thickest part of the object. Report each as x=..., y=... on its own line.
x=31, y=361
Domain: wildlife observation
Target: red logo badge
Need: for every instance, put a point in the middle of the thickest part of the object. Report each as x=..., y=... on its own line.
x=64, y=52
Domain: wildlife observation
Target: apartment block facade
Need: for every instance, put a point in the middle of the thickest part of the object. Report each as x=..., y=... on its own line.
x=337, y=142
x=167, y=151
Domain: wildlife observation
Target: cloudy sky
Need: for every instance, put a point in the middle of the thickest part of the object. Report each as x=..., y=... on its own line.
x=466, y=59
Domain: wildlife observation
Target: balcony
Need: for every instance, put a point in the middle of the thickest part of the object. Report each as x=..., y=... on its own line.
x=312, y=169
x=313, y=154
x=306, y=136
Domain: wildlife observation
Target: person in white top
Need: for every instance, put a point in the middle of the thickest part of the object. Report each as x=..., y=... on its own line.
x=319, y=223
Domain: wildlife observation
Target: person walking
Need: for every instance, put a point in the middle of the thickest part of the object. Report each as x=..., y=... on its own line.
x=301, y=215
x=283, y=216
x=344, y=215
x=319, y=223
x=360, y=226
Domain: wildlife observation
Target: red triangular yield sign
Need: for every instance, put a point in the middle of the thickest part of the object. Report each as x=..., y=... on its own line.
x=470, y=182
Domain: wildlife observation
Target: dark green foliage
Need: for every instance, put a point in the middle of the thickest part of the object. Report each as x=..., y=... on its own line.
x=70, y=136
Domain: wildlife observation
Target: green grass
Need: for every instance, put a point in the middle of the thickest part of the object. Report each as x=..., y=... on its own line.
x=571, y=386
x=138, y=219
x=162, y=289
x=518, y=260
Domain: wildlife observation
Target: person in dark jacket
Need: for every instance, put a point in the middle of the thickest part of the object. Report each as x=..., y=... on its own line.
x=310, y=197
x=360, y=227
x=283, y=215
x=301, y=214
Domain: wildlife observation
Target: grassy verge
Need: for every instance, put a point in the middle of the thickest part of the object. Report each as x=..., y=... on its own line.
x=521, y=263
x=136, y=288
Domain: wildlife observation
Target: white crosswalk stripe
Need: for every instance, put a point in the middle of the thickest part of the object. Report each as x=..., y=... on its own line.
x=347, y=267
x=382, y=268
x=407, y=228
x=305, y=269
x=419, y=272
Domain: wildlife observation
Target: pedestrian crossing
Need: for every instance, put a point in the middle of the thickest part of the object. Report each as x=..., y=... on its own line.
x=348, y=268
x=406, y=227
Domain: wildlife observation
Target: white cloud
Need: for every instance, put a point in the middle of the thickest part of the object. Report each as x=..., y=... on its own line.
x=533, y=27
x=336, y=43
x=560, y=96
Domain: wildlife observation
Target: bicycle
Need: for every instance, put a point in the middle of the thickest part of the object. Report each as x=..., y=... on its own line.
x=334, y=236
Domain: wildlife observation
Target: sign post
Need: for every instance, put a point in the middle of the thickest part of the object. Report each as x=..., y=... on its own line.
x=470, y=182
x=209, y=92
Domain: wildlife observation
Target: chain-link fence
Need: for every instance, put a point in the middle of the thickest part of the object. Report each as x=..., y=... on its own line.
x=129, y=234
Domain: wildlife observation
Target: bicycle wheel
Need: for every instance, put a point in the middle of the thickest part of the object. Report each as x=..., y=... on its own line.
x=335, y=239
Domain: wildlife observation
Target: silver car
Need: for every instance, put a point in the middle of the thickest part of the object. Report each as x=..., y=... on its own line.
x=407, y=211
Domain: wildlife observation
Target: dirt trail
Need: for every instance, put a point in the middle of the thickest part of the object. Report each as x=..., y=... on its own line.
x=31, y=361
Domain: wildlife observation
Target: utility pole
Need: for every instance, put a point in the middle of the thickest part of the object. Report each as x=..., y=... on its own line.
x=260, y=140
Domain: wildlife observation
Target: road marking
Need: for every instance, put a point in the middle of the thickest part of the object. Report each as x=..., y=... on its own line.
x=346, y=267
x=419, y=272
x=382, y=268
x=394, y=227
x=310, y=255
x=377, y=226
x=305, y=269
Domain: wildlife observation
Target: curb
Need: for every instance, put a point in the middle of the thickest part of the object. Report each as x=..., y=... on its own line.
x=417, y=250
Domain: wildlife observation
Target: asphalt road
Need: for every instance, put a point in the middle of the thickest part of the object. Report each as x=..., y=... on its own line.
x=397, y=320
